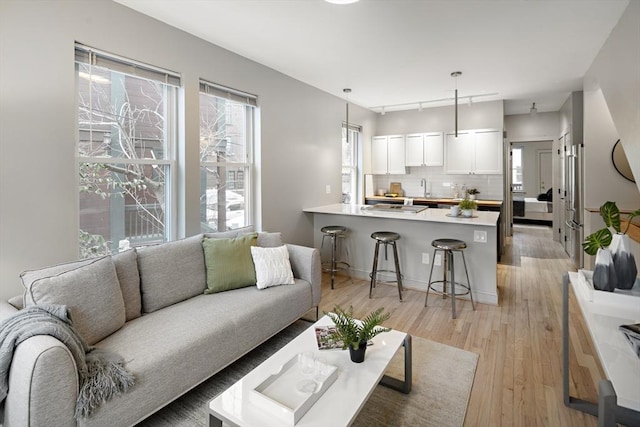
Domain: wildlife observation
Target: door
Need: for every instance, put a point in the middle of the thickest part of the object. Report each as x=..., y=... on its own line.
x=433, y=149
x=488, y=152
x=379, y=155
x=414, y=155
x=458, y=153
x=395, y=152
x=564, y=207
x=545, y=170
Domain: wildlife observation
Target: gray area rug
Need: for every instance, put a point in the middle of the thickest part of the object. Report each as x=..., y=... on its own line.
x=442, y=381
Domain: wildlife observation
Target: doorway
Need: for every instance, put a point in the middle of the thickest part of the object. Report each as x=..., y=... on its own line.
x=531, y=173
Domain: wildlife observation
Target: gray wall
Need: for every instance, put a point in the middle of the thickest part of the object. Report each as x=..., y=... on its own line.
x=299, y=138
x=616, y=73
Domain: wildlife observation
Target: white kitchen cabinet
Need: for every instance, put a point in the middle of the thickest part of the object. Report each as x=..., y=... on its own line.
x=424, y=149
x=474, y=152
x=387, y=155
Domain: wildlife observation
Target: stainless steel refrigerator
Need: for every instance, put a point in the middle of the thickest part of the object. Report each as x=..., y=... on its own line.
x=573, y=203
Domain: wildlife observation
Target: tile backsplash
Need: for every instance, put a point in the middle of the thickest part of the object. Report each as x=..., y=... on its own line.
x=440, y=184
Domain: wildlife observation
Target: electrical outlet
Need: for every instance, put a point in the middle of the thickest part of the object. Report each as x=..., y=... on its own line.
x=480, y=236
x=438, y=260
x=425, y=258
x=328, y=189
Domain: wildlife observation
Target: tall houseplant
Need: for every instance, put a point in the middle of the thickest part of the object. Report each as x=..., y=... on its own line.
x=355, y=334
x=611, y=242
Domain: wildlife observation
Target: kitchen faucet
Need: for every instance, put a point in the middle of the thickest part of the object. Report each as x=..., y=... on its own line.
x=423, y=184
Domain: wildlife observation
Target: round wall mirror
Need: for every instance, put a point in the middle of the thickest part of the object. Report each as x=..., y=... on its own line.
x=620, y=162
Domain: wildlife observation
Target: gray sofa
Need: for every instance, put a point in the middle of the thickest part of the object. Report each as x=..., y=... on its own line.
x=171, y=335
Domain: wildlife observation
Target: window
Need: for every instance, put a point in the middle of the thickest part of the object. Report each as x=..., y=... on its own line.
x=126, y=151
x=226, y=152
x=517, y=183
x=349, y=163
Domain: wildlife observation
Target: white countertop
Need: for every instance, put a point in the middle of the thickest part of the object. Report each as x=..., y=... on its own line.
x=485, y=218
x=603, y=312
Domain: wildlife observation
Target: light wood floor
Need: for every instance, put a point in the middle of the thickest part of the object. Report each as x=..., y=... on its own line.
x=518, y=381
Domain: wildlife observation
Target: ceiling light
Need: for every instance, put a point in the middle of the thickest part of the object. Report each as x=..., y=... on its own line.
x=420, y=107
x=341, y=1
x=382, y=111
x=533, y=109
x=347, y=91
x=455, y=75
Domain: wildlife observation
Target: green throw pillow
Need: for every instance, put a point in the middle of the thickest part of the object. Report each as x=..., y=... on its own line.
x=229, y=263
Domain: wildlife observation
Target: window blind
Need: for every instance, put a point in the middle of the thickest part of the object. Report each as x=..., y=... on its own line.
x=228, y=93
x=91, y=56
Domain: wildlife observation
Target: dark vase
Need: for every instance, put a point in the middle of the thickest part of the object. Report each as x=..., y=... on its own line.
x=623, y=261
x=604, y=273
x=357, y=356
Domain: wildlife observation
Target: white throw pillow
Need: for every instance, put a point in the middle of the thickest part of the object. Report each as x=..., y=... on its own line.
x=272, y=266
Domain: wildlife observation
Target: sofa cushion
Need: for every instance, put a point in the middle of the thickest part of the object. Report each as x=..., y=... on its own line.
x=127, y=270
x=90, y=291
x=272, y=266
x=171, y=272
x=229, y=263
x=269, y=240
x=171, y=350
x=229, y=234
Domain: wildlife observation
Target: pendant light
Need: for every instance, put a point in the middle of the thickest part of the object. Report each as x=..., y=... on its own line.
x=533, y=109
x=347, y=91
x=455, y=75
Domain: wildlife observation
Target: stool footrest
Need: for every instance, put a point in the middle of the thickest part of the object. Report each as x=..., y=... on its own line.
x=457, y=294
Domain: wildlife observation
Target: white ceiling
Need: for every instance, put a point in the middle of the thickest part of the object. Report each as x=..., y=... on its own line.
x=403, y=51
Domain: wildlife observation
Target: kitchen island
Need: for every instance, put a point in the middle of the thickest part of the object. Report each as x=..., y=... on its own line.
x=417, y=230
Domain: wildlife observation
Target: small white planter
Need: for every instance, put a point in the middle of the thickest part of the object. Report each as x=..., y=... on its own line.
x=467, y=213
x=623, y=261
x=604, y=273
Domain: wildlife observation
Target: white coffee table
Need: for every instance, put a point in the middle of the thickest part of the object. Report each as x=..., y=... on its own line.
x=341, y=402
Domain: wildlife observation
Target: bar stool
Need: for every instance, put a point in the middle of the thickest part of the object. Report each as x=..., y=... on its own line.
x=385, y=238
x=448, y=247
x=336, y=263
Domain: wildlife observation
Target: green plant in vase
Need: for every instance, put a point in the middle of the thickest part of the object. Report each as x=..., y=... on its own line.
x=467, y=207
x=355, y=334
x=472, y=192
x=615, y=265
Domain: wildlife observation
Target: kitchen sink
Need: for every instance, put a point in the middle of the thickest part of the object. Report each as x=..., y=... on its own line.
x=388, y=207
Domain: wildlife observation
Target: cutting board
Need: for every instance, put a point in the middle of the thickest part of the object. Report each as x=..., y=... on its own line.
x=396, y=187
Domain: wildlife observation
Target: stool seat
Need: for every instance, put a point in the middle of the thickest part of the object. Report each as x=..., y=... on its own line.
x=333, y=229
x=385, y=236
x=449, y=244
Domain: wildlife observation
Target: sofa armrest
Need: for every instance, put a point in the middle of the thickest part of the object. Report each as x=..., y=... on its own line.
x=305, y=263
x=6, y=310
x=43, y=384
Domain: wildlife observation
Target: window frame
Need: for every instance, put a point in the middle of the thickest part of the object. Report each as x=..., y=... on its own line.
x=355, y=137
x=243, y=171
x=170, y=84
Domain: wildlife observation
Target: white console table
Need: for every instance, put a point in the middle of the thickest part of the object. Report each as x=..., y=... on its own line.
x=604, y=312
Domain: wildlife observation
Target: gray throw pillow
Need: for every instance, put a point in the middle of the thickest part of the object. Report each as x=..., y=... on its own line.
x=269, y=240
x=127, y=270
x=90, y=291
x=171, y=272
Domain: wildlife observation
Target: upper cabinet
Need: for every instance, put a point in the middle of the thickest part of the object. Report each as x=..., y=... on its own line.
x=388, y=154
x=424, y=149
x=474, y=152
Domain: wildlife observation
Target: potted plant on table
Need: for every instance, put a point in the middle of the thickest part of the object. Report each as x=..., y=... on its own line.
x=467, y=207
x=615, y=265
x=355, y=334
x=472, y=192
